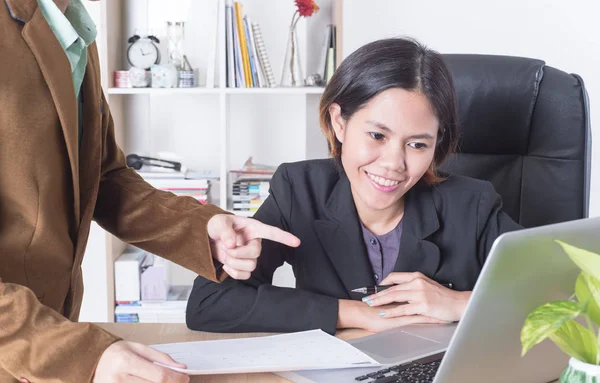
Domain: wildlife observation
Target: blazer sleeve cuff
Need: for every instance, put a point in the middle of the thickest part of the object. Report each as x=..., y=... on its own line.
x=77, y=363
x=324, y=313
x=208, y=267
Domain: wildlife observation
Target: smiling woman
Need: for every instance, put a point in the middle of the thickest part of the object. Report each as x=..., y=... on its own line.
x=378, y=212
x=396, y=119
x=388, y=145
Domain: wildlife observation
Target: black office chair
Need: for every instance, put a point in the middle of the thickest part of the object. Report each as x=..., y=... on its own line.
x=525, y=128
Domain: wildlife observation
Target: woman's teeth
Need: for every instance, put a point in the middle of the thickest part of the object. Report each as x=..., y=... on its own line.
x=382, y=181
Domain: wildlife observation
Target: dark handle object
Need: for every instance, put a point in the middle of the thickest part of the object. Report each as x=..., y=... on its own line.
x=136, y=162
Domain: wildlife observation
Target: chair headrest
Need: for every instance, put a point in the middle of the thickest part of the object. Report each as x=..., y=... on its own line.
x=497, y=96
x=525, y=128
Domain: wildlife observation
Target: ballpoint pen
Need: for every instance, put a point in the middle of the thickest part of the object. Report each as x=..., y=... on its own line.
x=375, y=289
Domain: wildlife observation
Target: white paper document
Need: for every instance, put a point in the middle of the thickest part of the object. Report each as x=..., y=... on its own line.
x=307, y=350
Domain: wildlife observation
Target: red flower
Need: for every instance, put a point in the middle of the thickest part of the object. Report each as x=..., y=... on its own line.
x=306, y=7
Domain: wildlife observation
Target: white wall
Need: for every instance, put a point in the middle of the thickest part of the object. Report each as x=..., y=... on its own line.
x=565, y=34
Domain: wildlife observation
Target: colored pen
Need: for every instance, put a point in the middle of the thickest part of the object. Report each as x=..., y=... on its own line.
x=375, y=289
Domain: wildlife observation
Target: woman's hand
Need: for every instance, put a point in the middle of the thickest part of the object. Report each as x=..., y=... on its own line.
x=419, y=296
x=355, y=314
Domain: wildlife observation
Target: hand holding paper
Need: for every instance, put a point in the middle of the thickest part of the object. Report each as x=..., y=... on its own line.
x=134, y=362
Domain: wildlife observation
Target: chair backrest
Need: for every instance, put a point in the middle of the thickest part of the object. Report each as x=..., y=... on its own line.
x=525, y=128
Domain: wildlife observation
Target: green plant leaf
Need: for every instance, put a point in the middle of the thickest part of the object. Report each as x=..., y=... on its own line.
x=587, y=290
x=545, y=320
x=587, y=261
x=577, y=341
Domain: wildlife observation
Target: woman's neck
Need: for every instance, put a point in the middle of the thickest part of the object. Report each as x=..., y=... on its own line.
x=381, y=222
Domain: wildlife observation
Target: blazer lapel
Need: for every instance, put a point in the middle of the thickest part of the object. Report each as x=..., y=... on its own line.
x=55, y=68
x=341, y=237
x=21, y=10
x=420, y=220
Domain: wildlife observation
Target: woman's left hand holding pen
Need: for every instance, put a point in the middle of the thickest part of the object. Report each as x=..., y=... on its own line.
x=419, y=295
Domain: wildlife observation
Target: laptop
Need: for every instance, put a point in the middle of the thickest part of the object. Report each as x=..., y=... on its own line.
x=524, y=270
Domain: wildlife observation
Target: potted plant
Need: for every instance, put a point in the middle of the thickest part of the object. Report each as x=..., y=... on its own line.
x=556, y=320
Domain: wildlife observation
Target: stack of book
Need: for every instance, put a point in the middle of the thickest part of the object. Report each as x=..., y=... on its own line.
x=198, y=189
x=250, y=187
x=248, y=64
x=249, y=194
x=192, y=184
x=170, y=311
x=143, y=289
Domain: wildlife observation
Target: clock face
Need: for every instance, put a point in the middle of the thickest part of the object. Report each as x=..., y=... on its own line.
x=142, y=54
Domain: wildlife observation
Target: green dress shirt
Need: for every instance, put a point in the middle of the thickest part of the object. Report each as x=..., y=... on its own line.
x=75, y=31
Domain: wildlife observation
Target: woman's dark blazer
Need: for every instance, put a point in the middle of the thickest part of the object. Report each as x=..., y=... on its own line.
x=448, y=230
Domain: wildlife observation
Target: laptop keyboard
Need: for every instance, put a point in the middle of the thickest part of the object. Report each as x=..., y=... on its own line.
x=413, y=372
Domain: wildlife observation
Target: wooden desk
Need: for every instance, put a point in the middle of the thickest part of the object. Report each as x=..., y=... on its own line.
x=156, y=333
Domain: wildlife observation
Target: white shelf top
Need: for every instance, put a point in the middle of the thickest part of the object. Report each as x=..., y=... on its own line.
x=299, y=90
x=163, y=90
x=302, y=90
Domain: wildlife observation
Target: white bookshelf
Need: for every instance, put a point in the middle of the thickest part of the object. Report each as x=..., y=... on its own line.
x=199, y=90
x=215, y=128
x=159, y=91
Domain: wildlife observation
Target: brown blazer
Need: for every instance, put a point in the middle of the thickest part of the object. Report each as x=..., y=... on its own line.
x=49, y=193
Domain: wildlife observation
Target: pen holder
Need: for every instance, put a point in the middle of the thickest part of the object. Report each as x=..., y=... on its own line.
x=186, y=79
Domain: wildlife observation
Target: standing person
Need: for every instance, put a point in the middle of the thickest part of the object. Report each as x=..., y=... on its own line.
x=60, y=167
x=377, y=212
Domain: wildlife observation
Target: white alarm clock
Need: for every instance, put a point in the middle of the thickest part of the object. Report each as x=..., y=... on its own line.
x=143, y=51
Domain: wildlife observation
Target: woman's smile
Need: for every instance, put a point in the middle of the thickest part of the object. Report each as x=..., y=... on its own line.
x=382, y=184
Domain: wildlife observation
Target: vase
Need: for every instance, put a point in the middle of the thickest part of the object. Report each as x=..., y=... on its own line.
x=291, y=75
x=580, y=372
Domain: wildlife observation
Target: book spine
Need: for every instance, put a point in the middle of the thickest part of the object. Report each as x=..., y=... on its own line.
x=240, y=77
x=243, y=46
x=330, y=64
x=229, y=41
x=262, y=55
x=260, y=80
x=322, y=69
x=251, y=57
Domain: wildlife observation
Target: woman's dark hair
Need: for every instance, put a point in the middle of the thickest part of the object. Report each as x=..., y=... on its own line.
x=393, y=63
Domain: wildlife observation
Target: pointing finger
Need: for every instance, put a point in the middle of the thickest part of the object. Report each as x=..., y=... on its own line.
x=257, y=229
